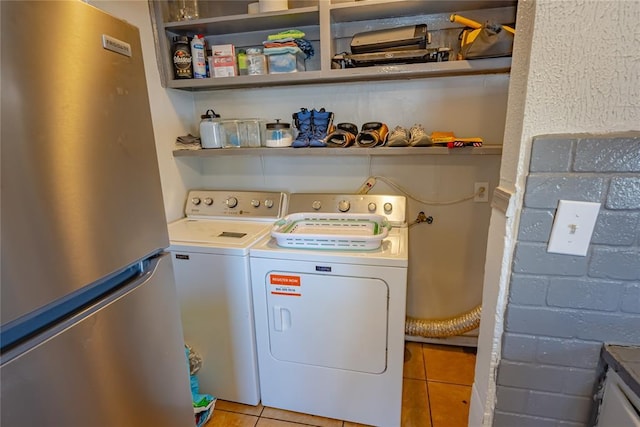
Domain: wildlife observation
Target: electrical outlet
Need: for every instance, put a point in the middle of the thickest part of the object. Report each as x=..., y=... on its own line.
x=481, y=191
x=368, y=185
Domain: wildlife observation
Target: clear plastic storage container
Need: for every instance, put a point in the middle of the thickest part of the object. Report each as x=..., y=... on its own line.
x=243, y=132
x=286, y=63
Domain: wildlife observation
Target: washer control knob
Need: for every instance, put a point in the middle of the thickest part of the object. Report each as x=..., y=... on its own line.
x=232, y=202
x=344, y=205
x=255, y=203
x=372, y=207
x=268, y=203
x=388, y=207
x=316, y=205
x=195, y=201
x=208, y=201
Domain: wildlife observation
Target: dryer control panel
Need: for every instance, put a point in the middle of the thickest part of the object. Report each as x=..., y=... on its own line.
x=393, y=207
x=254, y=205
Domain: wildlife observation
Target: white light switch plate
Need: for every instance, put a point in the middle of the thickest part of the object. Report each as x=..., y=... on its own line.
x=573, y=227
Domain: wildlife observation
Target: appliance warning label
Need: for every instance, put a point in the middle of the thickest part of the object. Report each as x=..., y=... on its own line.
x=285, y=285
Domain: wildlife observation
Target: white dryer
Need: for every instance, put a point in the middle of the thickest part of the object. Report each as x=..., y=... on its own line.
x=210, y=252
x=330, y=322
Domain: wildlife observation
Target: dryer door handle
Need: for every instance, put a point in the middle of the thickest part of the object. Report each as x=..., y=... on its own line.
x=281, y=318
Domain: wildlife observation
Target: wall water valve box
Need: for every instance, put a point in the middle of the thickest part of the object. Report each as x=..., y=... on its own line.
x=286, y=63
x=223, y=60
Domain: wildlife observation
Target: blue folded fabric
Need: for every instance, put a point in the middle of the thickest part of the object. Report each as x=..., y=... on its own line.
x=280, y=50
x=306, y=47
x=203, y=404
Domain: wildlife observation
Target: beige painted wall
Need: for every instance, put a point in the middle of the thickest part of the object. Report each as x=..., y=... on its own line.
x=447, y=257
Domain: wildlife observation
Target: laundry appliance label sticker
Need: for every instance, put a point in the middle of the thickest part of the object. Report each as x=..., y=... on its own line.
x=285, y=285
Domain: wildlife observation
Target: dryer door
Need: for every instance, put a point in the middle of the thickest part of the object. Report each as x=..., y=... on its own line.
x=331, y=321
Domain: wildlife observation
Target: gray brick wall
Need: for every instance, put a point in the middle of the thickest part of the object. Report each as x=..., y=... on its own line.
x=562, y=308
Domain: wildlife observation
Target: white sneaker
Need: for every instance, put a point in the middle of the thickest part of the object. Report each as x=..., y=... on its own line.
x=418, y=137
x=399, y=137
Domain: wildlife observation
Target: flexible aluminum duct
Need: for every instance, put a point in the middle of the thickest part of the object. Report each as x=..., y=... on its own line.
x=439, y=328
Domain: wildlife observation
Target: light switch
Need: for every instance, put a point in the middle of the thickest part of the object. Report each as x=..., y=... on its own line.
x=573, y=227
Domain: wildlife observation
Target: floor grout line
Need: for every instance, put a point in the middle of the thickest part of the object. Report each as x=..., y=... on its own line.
x=426, y=380
x=449, y=382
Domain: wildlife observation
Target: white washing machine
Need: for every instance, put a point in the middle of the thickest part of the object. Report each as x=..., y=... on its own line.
x=210, y=252
x=330, y=322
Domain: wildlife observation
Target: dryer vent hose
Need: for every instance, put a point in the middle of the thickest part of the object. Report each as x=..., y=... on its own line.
x=439, y=328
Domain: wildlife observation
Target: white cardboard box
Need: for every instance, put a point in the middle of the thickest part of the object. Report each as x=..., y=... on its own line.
x=223, y=63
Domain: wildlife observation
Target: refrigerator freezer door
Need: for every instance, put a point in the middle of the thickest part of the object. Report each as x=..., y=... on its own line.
x=119, y=363
x=81, y=194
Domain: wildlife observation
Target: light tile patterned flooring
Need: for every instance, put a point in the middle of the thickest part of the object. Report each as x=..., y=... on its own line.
x=436, y=392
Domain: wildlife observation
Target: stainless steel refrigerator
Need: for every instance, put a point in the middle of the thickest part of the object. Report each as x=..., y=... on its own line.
x=90, y=330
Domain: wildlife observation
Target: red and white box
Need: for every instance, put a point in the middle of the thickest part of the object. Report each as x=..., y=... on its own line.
x=223, y=59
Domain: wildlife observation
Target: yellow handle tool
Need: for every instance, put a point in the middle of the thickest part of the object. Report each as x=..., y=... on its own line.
x=473, y=24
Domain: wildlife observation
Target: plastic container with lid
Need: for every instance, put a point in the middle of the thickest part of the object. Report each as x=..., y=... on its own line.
x=212, y=134
x=278, y=134
x=242, y=62
x=242, y=132
x=256, y=62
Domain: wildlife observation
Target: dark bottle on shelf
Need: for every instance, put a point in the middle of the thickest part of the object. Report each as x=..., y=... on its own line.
x=182, y=65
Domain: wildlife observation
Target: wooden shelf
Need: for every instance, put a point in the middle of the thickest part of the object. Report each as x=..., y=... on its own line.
x=330, y=24
x=351, y=151
x=384, y=9
x=234, y=24
x=388, y=72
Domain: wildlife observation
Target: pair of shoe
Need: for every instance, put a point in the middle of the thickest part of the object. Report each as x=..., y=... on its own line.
x=344, y=135
x=313, y=127
x=414, y=137
x=372, y=134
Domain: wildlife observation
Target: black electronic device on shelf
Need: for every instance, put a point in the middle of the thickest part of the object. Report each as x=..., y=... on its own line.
x=402, y=38
x=414, y=56
x=401, y=45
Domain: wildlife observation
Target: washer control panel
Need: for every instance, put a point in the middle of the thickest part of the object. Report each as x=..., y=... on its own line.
x=268, y=205
x=393, y=207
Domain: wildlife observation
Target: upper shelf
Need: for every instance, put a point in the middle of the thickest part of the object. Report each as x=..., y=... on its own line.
x=378, y=9
x=351, y=151
x=292, y=18
x=387, y=72
x=330, y=23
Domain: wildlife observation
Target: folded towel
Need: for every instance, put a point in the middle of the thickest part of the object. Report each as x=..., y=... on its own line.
x=279, y=44
x=304, y=45
x=280, y=50
x=293, y=34
x=188, y=142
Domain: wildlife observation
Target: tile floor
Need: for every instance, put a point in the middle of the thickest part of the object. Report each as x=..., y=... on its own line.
x=436, y=392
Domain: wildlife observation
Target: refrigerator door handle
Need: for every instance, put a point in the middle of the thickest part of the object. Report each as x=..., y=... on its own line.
x=115, y=359
x=23, y=334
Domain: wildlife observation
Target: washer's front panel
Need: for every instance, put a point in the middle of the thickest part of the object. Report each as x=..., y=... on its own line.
x=328, y=321
x=214, y=292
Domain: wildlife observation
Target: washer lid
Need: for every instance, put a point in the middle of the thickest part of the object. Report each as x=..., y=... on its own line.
x=225, y=234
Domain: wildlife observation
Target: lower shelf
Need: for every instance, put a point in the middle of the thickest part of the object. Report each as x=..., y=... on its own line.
x=351, y=151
